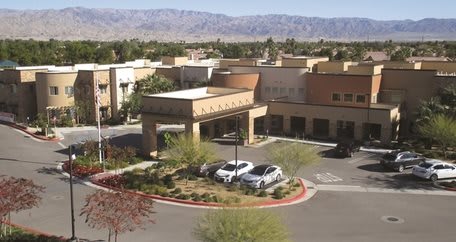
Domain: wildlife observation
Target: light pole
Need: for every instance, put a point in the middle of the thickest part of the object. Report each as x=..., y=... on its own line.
x=70, y=164
x=236, y=145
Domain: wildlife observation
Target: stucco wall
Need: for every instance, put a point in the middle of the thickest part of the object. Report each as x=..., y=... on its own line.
x=278, y=82
x=320, y=88
x=440, y=66
x=44, y=80
x=238, y=80
x=333, y=66
x=120, y=77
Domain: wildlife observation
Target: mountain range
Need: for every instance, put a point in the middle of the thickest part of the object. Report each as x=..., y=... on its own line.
x=79, y=23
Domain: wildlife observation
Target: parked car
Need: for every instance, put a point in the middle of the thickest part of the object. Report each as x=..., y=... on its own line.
x=347, y=148
x=208, y=169
x=434, y=170
x=262, y=175
x=399, y=161
x=227, y=173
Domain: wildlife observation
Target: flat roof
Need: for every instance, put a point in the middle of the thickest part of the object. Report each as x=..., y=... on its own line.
x=190, y=94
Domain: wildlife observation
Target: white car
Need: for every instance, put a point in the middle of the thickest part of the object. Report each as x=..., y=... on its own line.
x=434, y=170
x=262, y=175
x=227, y=173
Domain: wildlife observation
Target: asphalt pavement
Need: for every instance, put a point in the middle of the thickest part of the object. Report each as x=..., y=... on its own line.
x=336, y=213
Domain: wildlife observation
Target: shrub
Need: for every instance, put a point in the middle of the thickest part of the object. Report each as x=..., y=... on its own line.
x=138, y=171
x=153, y=178
x=250, y=191
x=216, y=199
x=192, y=177
x=233, y=188
x=177, y=190
x=278, y=193
x=113, y=181
x=160, y=190
x=197, y=198
x=183, y=196
x=297, y=184
x=263, y=193
x=194, y=194
x=167, y=179
x=171, y=185
x=165, y=194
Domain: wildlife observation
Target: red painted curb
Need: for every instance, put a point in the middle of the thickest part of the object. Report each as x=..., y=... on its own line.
x=34, y=231
x=24, y=129
x=211, y=204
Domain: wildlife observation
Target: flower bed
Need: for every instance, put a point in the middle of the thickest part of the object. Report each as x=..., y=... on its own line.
x=171, y=185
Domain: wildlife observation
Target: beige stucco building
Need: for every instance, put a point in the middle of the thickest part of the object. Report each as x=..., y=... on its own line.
x=18, y=91
x=55, y=93
x=208, y=108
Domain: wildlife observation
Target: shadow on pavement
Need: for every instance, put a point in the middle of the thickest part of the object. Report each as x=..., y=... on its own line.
x=375, y=168
x=398, y=181
x=48, y=171
x=24, y=161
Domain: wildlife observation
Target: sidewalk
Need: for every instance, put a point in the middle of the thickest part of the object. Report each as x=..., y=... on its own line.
x=272, y=139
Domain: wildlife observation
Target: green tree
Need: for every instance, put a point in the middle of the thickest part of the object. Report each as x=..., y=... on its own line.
x=292, y=157
x=441, y=129
x=190, y=152
x=271, y=49
x=131, y=105
x=152, y=84
x=247, y=224
x=83, y=110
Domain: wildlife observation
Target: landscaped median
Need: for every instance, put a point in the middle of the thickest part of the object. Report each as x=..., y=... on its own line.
x=25, y=129
x=205, y=192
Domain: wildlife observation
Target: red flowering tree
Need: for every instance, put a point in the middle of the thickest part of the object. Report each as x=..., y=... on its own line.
x=118, y=212
x=16, y=194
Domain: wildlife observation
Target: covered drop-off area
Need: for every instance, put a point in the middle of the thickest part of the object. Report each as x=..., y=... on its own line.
x=207, y=111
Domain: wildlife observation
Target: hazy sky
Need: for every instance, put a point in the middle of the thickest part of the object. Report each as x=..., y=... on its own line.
x=380, y=10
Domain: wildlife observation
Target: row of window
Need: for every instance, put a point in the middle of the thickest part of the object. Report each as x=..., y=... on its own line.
x=282, y=91
x=348, y=97
x=69, y=90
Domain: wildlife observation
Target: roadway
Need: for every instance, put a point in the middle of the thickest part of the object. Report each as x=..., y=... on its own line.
x=335, y=213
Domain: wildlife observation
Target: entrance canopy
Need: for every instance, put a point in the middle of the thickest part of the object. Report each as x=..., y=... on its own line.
x=194, y=106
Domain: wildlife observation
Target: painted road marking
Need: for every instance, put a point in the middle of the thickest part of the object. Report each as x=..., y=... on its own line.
x=62, y=145
x=361, y=158
x=327, y=177
x=349, y=188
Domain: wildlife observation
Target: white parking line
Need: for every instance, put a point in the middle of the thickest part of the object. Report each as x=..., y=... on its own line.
x=360, y=158
x=327, y=177
x=62, y=145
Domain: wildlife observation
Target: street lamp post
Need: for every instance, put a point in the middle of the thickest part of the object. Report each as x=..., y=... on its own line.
x=70, y=164
x=236, y=145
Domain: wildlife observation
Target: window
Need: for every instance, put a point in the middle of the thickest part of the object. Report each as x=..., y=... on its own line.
x=374, y=98
x=301, y=91
x=360, y=98
x=53, y=91
x=274, y=90
x=69, y=91
x=291, y=92
x=282, y=91
x=103, y=88
x=335, y=97
x=396, y=98
x=348, y=97
x=13, y=88
x=267, y=90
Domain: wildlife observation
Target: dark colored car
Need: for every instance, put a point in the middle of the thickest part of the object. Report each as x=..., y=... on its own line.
x=347, y=148
x=208, y=170
x=399, y=161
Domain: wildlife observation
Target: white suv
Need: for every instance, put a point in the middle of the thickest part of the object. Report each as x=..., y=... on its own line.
x=434, y=170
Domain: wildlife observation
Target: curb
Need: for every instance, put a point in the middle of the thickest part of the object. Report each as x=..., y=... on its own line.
x=453, y=189
x=281, y=202
x=34, y=231
x=24, y=129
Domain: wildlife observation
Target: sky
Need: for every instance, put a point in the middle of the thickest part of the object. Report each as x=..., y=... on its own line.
x=379, y=10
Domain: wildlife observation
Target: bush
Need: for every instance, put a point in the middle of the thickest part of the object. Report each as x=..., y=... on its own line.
x=183, y=196
x=177, y=190
x=171, y=185
x=297, y=184
x=216, y=199
x=263, y=193
x=197, y=198
x=278, y=193
x=138, y=171
x=194, y=194
x=167, y=179
x=192, y=177
x=233, y=188
x=165, y=194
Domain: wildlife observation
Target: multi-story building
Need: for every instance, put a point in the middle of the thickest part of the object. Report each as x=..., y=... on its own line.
x=18, y=91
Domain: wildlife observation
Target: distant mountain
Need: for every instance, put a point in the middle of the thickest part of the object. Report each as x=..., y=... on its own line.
x=177, y=25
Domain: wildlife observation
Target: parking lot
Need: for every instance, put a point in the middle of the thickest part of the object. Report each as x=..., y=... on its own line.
x=363, y=169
